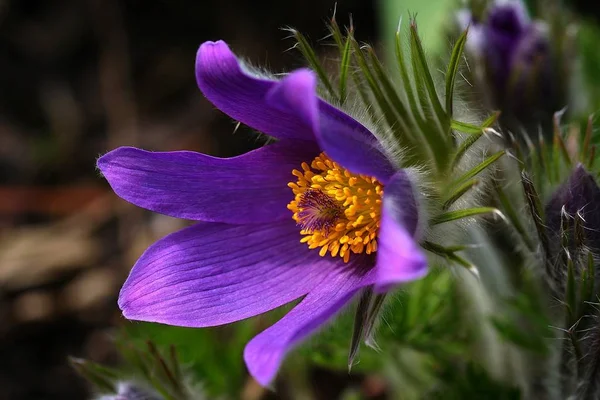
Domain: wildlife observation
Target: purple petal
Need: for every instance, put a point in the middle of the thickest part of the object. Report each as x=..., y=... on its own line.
x=264, y=353
x=508, y=19
x=351, y=145
x=251, y=188
x=342, y=138
x=399, y=257
x=506, y=26
x=243, y=96
x=288, y=108
x=212, y=274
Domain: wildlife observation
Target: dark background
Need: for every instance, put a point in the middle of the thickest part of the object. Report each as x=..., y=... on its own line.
x=81, y=77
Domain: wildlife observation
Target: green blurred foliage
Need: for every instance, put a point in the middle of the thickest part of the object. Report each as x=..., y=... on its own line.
x=212, y=356
x=589, y=37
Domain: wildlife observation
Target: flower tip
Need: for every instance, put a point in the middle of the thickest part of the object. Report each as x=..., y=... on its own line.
x=125, y=304
x=124, y=307
x=114, y=160
x=209, y=44
x=104, y=162
x=210, y=50
x=580, y=178
x=580, y=193
x=261, y=366
x=580, y=170
x=215, y=63
x=101, y=163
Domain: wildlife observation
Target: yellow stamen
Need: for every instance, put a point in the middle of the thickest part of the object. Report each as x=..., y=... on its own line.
x=337, y=210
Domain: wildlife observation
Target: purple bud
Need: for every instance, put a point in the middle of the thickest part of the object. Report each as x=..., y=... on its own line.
x=506, y=26
x=578, y=198
x=520, y=76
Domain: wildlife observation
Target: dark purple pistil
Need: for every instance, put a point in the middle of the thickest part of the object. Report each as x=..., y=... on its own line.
x=318, y=211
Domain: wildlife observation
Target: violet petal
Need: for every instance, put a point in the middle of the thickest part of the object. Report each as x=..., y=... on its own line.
x=251, y=188
x=340, y=136
x=242, y=96
x=211, y=274
x=265, y=352
x=399, y=256
x=289, y=108
x=506, y=25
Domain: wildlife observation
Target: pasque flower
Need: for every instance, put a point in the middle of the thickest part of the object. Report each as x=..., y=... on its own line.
x=578, y=197
x=320, y=213
x=519, y=67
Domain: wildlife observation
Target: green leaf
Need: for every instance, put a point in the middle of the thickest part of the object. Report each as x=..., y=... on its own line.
x=374, y=311
x=473, y=129
x=464, y=146
x=459, y=192
x=512, y=215
x=475, y=132
x=404, y=126
x=435, y=137
x=452, y=70
x=592, y=157
x=361, y=317
x=165, y=374
x=465, y=127
x=466, y=213
x=571, y=293
x=587, y=138
x=421, y=69
x=314, y=63
x=389, y=89
x=477, y=169
x=366, y=100
x=559, y=143
x=537, y=214
x=407, y=83
x=336, y=33
x=103, y=378
x=491, y=120
x=447, y=253
x=386, y=107
x=344, y=66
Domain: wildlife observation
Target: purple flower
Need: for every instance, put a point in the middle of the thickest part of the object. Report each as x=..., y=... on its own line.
x=578, y=196
x=506, y=27
x=305, y=216
x=517, y=60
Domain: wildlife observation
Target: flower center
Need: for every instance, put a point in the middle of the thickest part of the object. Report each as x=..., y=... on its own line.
x=337, y=210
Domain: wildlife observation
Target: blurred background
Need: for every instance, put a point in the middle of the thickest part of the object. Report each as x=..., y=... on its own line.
x=81, y=77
